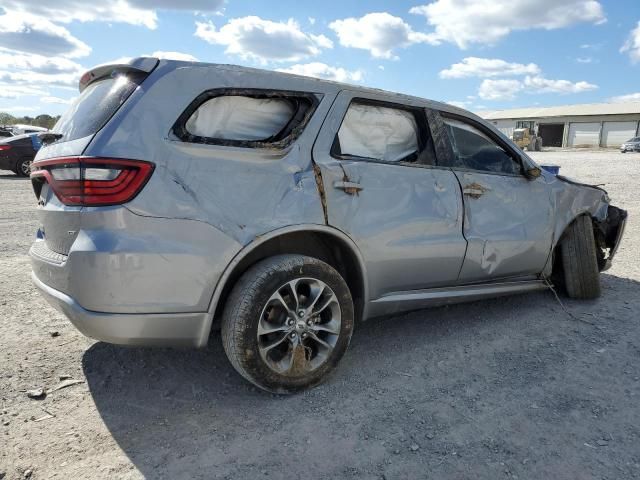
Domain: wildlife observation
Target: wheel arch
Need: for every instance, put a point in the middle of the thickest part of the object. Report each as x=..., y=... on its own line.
x=325, y=243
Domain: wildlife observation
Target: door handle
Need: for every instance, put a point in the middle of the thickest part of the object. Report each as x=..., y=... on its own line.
x=474, y=190
x=352, y=188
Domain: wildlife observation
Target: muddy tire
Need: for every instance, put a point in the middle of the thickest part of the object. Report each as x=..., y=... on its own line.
x=581, y=277
x=287, y=323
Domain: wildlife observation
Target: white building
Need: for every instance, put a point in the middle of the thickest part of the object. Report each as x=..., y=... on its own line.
x=591, y=125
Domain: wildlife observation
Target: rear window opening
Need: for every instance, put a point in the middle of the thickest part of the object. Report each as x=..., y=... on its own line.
x=246, y=118
x=96, y=105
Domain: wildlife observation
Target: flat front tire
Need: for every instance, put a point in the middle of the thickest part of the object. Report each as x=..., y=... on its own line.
x=581, y=276
x=287, y=323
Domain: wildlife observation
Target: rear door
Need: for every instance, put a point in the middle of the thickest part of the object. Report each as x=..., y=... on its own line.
x=384, y=189
x=508, y=219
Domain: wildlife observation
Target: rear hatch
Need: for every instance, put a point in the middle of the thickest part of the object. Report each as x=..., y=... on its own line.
x=59, y=162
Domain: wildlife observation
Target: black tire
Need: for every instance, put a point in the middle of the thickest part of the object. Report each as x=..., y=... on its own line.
x=246, y=304
x=23, y=167
x=581, y=277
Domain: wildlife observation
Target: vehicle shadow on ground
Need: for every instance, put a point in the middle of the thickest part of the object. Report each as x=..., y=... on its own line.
x=12, y=176
x=188, y=414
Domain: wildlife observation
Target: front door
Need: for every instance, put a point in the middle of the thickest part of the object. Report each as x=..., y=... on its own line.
x=508, y=217
x=384, y=189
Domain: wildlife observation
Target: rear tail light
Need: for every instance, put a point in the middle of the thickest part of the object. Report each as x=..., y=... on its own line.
x=91, y=181
x=5, y=147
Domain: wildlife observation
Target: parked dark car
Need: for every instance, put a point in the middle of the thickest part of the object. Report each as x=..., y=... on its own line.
x=16, y=153
x=5, y=133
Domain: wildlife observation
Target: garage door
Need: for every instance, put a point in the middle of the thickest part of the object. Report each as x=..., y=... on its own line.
x=615, y=134
x=584, y=134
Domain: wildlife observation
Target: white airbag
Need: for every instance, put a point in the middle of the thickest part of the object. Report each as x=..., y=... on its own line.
x=381, y=133
x=235, y=117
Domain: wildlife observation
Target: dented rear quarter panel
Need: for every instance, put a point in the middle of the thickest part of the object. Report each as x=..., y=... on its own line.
x=242, y=192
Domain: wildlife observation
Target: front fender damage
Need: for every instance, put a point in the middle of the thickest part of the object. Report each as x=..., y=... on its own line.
x=608, y=233
x=573, y=199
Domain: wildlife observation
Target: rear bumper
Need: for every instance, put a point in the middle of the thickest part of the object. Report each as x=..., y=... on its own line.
x=168, y=329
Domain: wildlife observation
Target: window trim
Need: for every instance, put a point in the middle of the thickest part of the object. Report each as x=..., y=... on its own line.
x=516, y=157
x=293, y=132
x=421, y=122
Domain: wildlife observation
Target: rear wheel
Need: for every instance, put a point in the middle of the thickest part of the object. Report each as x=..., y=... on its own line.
x=23, y=167
x=578, y=252
x=287, y=323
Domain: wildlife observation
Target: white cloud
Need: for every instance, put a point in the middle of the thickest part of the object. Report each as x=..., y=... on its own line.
x=186, y=57
x=322, y=70
x=584, y=60
x=38, y=63
x=629, y=98
x=15, y=91
x=57, y=100
x=503, y=89
x=499, y=89
x=465, y=22
x=632, y=45
x=29, y=33
x=26, y=77
x=263, y=40
x=134, y=12
x=544, y=85
x=380, y=33
x=488, y=67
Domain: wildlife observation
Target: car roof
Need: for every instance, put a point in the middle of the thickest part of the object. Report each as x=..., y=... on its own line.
x=17, y=138
x=310, y=83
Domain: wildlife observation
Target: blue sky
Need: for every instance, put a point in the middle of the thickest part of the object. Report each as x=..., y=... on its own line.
x=480, y=54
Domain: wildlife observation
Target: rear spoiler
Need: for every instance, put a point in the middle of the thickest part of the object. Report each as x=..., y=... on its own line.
x=136, y=65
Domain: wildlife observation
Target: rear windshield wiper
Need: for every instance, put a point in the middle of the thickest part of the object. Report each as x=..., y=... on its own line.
x=49, y=137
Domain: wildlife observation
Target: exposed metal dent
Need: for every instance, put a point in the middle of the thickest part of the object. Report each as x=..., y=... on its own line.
x=321, y=192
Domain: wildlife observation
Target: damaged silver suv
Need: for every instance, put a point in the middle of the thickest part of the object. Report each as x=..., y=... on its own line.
x=176, y=196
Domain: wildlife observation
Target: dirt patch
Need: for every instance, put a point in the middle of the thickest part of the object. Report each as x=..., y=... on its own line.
x=509, y=388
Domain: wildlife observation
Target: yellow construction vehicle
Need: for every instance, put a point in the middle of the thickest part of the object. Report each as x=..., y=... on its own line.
x=525, y=139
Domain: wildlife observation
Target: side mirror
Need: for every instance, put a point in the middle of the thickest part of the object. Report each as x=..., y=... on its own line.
x=532, y=173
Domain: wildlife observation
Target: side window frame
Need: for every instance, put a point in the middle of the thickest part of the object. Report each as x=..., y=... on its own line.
x=423, y=134
x=289, y=134
x=515, y=156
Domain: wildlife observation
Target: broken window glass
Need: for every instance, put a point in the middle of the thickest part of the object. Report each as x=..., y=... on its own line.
x=476, y=151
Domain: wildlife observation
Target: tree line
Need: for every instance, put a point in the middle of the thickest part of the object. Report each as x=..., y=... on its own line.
x=46, y=121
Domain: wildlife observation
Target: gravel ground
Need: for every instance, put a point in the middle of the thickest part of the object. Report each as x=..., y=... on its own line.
x=508, y=388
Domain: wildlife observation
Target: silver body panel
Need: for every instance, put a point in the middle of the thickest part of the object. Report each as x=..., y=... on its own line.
x=154, y=270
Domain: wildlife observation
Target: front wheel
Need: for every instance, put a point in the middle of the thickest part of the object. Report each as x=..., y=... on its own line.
x=23, y=167
x=287, y=323
x=581, y=276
